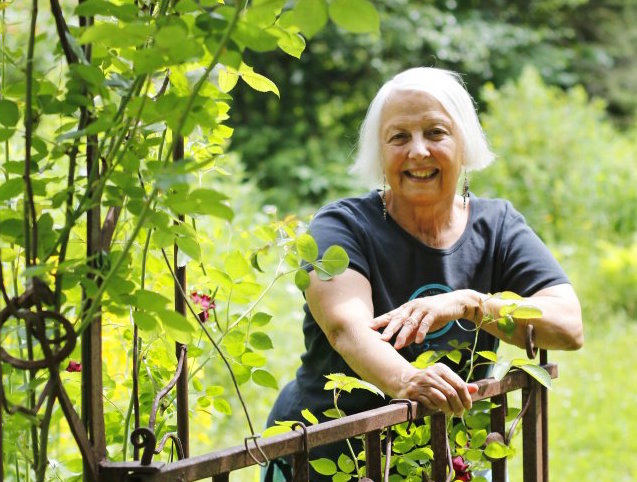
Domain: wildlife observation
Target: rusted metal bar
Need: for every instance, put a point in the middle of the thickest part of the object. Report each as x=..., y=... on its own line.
x=234, y=458
x=301, y=460
x=373, y=455
x=545, y=422
x=440, y=446
x=181, y=359
x=498, y=419
x=180, y=307
x=532, y=443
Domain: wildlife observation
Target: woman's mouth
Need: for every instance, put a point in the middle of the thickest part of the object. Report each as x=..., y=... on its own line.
x=422, y=174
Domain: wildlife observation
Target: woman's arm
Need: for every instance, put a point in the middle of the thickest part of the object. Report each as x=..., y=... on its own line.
x=343, y=309
x=560, y=326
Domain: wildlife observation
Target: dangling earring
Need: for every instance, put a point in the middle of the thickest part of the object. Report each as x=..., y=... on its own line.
x=383, y=197
x=465, y=190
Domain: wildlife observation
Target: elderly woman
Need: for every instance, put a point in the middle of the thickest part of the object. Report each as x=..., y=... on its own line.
x=423, y=260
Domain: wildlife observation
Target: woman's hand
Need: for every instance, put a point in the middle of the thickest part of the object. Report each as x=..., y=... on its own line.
x=414, y=319
x=439, y=388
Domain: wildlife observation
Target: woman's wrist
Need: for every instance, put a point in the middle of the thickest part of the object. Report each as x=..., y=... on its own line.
x=474, y=305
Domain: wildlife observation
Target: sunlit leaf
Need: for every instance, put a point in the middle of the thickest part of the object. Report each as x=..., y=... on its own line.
x=323, y=466
x=310, y=16
x=302, y=279
x=335, y=260
x=275, y=430
x=253, y=359
x=357, y=16
x=260, y=319
x=145, y=321
x=307, y=247
x=260, y=341
x=257, y=81
x=222, y=406
x=9, y=113
x=309, y=416
x=526, y=313
x=496, y=450
x=539, y=373
x=346, y=464
x=265, y=379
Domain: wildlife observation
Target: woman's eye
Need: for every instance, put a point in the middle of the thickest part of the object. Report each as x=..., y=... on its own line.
x=398, y=137
x=436, y=132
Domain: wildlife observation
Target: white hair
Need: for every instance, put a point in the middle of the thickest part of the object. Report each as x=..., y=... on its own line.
x=447, y=88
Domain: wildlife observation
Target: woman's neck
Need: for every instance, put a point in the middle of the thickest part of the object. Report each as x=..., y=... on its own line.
x=438, y=224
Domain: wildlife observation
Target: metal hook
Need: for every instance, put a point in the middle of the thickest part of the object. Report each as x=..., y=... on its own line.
x=531, y=349
x=254, y=439
x=144, y=437
x=306, y=449
x=410, y=413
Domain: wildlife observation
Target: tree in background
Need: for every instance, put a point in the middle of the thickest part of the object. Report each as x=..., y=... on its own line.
x=307, y=136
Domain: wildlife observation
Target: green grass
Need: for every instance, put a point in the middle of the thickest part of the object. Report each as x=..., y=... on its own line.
x=593, y=407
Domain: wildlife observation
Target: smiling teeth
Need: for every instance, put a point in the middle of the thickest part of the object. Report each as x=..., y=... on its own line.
x=423, y=174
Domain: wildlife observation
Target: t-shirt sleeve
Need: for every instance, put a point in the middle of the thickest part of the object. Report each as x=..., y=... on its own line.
x=527, y=264
x=337, y=225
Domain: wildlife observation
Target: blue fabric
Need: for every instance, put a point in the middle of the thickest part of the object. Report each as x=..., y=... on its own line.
x=497, y=252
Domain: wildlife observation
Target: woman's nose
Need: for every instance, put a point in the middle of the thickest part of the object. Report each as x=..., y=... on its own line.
x=418, y=147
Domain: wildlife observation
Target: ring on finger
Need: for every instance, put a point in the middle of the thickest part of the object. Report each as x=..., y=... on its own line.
x=411, y=321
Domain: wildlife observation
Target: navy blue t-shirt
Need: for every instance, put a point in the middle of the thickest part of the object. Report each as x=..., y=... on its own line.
x=496, y=252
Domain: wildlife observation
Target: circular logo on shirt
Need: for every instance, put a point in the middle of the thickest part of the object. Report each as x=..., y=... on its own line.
x=431, y=290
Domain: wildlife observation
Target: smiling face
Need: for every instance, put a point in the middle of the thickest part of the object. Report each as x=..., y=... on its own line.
x=421, y=149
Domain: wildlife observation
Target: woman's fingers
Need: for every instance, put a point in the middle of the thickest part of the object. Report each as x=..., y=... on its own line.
x=439, y=387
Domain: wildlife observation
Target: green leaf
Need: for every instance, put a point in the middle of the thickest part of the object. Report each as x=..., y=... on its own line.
x=527, y=313
x=227, y=79
x=11, y=188
x=252, y=359
x=341, y=477
x=236, y=265
x=307, y=247
x=455, y=356
x=356, y=16
x=145, y=321
x=260, y=341
x=346, y=464
x=9, y=113
x=335, y=260
x=539, y=373
x=496, y=450
x=291, y=43
x=150, y=301
x=302, y=279
x=478, y=438
x=500, y=369
x=506, y=324
x=275, y=430
x=190, y=246
x=221, y=405
x=265, y=379
x=257, y=81
x=334, y=413
x=177, y=325
x=489, y=355
x=263, y=13
x=509, y=295
x=260, y=319
x=461, y=438
x=91, y=8
x=323, y=466
x=310, y=16
x=309, y=416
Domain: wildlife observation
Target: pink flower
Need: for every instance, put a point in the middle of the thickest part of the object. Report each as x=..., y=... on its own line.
x=74, y=366
x=205, y=302
x=460, y=467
